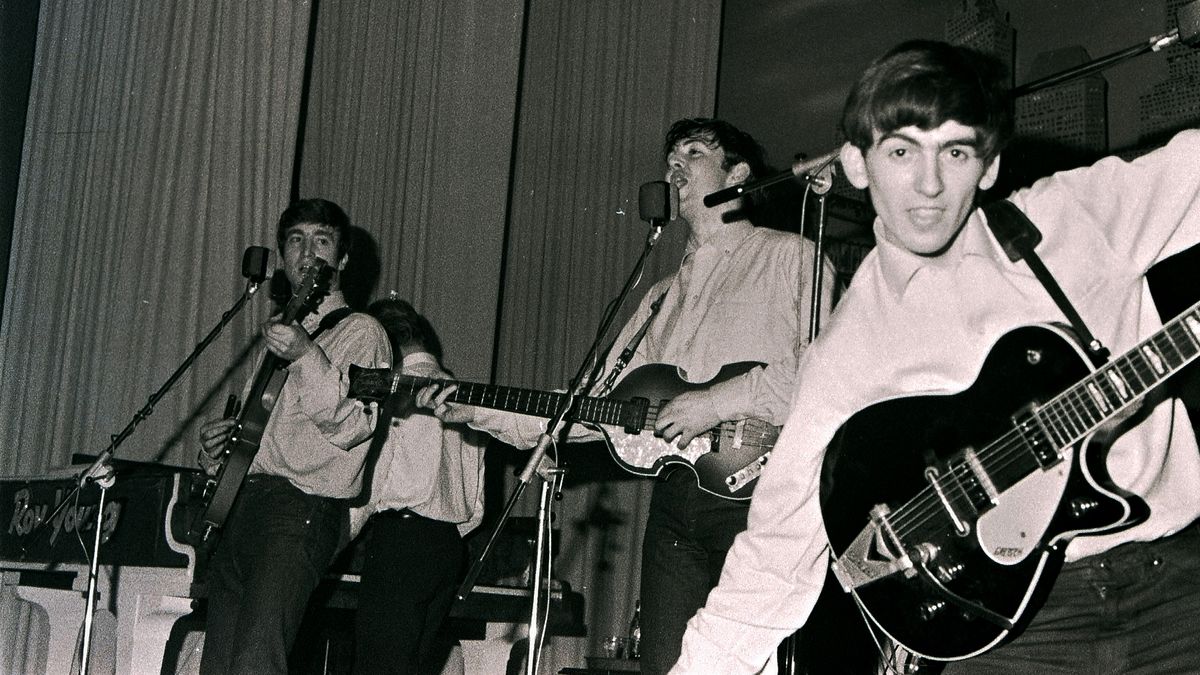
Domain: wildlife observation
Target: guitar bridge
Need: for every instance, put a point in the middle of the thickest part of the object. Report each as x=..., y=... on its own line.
x=876, y=553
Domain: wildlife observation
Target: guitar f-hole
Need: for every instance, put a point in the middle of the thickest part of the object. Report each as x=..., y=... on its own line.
x=960, y=527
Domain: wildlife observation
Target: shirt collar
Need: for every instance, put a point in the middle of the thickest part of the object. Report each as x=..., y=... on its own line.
x=726, y=239
x=898, y=266
x=332, y=301
x=417, y=358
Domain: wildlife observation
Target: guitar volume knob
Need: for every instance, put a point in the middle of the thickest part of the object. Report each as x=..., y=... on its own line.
x=924, y=553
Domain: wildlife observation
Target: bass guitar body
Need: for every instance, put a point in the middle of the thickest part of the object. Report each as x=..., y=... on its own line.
x=727, y=460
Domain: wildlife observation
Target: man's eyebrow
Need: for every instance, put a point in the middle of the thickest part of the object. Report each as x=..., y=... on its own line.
x=321, y=229
x=971, y=141
x=683, y=142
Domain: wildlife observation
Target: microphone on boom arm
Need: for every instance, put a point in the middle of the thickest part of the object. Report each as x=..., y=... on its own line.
x=817, y=172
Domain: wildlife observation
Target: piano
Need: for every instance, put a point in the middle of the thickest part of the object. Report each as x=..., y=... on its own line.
x=151, y=575
x=146, y=566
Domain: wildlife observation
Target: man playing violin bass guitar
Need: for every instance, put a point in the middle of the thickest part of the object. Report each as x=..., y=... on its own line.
x=291, y=514
x=741, y=295
x=938, y=448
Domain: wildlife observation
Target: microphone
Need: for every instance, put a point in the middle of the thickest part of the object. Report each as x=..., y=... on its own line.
x=816, y=172
x=658, y=202
x=254, y=263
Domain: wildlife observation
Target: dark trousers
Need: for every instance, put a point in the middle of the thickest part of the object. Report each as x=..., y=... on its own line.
x=276, y=544
x=411, y=568
x=688, y=533
x=1134, y=610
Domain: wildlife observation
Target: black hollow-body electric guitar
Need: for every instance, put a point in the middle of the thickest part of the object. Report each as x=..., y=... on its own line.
x=948, y=515
x=727, y=460
x=252, y=420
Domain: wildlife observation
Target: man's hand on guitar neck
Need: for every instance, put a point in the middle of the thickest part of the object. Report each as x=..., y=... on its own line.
x=434, y=398
x=686, y=416
x=286, y=340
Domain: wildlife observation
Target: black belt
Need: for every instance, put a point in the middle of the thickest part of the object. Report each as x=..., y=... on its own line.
x=403, y=514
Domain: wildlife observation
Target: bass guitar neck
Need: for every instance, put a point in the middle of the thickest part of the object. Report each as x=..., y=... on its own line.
x=727, y=460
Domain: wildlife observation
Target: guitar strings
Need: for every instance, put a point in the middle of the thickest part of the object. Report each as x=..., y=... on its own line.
x=1013, y=446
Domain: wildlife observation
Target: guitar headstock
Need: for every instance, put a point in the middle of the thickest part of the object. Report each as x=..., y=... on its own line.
x=314, y=284
x=369, y=384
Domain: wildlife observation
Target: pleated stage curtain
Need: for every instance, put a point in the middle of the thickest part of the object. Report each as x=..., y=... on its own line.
x=409, y=127
x=493, y=150
x=159, y=144
x=602, y=82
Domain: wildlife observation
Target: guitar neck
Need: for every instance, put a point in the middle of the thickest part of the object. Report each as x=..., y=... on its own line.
x=1042, y=432
x=588, y=409
x=1100, y=397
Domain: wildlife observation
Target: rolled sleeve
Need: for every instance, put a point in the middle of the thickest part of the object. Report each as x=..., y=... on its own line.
x=323, y=378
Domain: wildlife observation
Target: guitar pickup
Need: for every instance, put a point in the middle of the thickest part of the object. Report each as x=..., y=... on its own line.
x=1036, y=436
x=973, y=480
x=633, y=415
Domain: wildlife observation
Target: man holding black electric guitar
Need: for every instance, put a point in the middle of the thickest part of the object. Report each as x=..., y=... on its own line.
x=978, y=441
x=286, y=463
x=720, y=341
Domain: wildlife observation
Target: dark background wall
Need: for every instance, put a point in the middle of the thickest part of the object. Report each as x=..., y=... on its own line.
x=18, y=36
x=786, y=66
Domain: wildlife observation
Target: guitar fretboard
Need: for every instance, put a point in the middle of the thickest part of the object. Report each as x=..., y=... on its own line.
x=1081, y=409
x=527, y=401
x=1041, y=433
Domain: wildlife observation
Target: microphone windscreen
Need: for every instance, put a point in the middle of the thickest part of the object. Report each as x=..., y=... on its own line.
x=254, y=263
x=658, y=201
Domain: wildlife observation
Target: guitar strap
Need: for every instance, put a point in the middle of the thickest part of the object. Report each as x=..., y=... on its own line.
x=330, y=320
x=1018, y=236
x=627, y=353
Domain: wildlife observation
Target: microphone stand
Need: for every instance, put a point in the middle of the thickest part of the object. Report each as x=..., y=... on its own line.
x=818, y=188
x=539, y=464
x=810, y=171
x=101, y=470
x=105, y=478
x=819, y=184
x=1154, y=44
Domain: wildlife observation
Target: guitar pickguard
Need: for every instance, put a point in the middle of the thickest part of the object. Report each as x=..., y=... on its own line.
x=647, y=451
x=1014, y=529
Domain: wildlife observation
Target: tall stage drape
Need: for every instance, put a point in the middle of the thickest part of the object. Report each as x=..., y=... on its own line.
x=492, y=149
